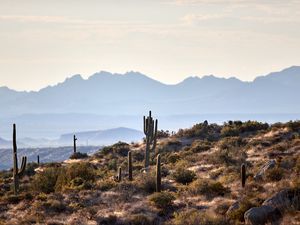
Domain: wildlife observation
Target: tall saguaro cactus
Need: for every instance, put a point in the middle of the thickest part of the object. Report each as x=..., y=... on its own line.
x=129, y=166
x=17, y=173
x=119, y=174
x=243, y=174
x=74, y=140
x=38, y=160
x=150, y=130
x=158, y=174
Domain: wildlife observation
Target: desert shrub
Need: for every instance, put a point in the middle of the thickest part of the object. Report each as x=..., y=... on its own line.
x=231, y=142
x=46, y=180
x=12, y=199
x=275, y=174
x=140, y=219
x=75, y=174
x=163, y=134
x=238, y=214
x=235, y=128
x=162, y=200
x=147, y=183
x=120, y=148
x=200, y=146
x=173, y=158
x=294, y=125
x=208, y=188
x=113, y=164
x=78, y=155
x=169, y=145
x=195, y=217
x=106, y=185
x=202, y=131
x=51, y=205
x=55, y=206
x=183, y=176
x=30, y=167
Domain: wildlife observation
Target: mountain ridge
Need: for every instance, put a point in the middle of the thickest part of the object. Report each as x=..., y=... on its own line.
x=133, y=92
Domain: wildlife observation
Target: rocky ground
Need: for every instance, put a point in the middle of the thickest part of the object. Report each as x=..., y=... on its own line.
x=201, y=181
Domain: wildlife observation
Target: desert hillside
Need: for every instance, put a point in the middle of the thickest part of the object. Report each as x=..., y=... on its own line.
x=201, y=170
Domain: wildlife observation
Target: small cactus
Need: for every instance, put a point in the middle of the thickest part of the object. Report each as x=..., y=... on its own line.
x=130, y=166
x=17, y=173
x=119, y=174
x=74, y=145
x=158, y=174
x=243, y=174
x=150, y=130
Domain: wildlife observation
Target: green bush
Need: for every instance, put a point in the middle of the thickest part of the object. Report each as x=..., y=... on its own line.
x=200, y=146
x=238, y=214
x=208, y=188
x=78, y=155
x=235, y=128
x=173, y=158
x=162, y=200
x=106, y=185
x=195, y=217
x=275, y=174
x=140, y=219
x=183, y=176
x=147, y=183
x=203, y=131
x=46, y=180
x=82, y=174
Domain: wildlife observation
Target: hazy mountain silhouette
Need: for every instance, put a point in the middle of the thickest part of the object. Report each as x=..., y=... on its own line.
x=95, y=138
x=133, y=92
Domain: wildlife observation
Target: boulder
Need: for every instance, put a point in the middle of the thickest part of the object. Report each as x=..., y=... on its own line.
x=273, y=208
x=262, y=215
x=283, y=200
x=269, y=165
x=233, y=207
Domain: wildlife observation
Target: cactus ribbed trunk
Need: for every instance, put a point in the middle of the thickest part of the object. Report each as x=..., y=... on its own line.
x=130, y=166
x=119, y=174
x=74, y=145
x=243, y=174
x=17, y=173
x=150, y=130
x=158, y=174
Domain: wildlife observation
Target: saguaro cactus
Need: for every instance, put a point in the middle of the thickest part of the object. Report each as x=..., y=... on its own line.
x=119, y=174
x=74, y=140
x=129, y=166
x=243, y=174
x=150, y=130
x=17, y=173
x=158, y=174
x=38, y=159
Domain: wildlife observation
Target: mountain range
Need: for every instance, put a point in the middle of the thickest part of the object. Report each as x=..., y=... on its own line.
x=106, y=101
x=86, y=138
x=132, y=93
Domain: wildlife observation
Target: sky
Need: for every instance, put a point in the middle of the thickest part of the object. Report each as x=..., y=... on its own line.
x=44, y=41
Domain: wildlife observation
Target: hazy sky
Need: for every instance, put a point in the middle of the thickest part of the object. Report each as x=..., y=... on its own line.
x=43, y=42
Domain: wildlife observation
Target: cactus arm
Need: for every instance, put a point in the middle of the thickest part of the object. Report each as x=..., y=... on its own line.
x=158, y=174
x=243, y=174
x=145, y=126
x=129, y=166
x=23, y=166
x=120, y=174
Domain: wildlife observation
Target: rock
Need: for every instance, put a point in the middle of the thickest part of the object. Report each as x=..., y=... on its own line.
x=233, y=207
x=262, y=215
x=283, y=200
x=273, y=208
x=269, y=165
